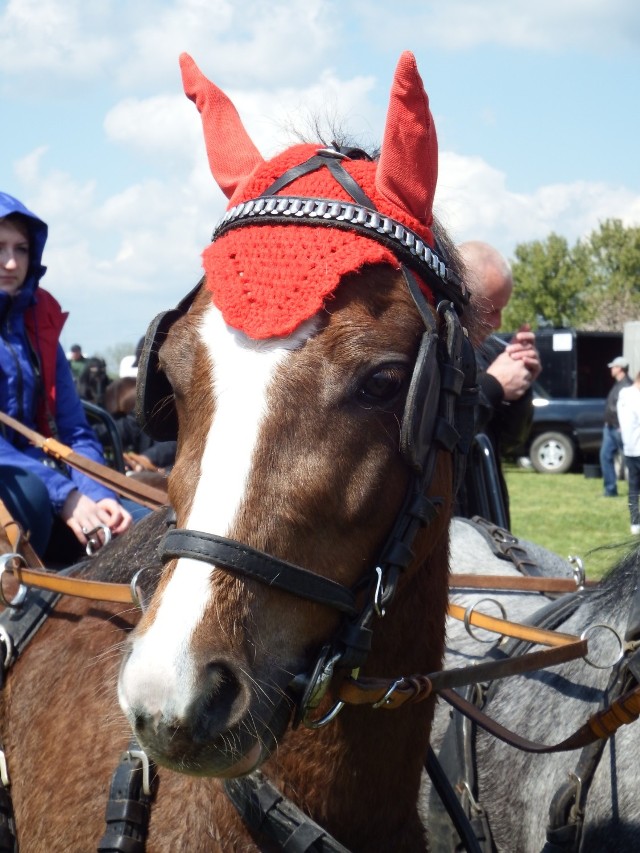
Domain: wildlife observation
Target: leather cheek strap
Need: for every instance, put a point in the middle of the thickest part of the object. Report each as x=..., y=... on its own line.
x=421, y=407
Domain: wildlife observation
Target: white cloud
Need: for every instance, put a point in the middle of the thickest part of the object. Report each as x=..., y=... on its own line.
x=603, y=26
x=474, y=201
x=138, y=44
x=255, y=42
x=169, y=126
x=69, y=38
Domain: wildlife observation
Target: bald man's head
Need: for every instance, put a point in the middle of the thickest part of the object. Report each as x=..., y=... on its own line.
x=489, y=279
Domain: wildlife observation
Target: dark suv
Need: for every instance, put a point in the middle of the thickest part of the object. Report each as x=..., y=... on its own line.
x=569, y=397
x=564, y=431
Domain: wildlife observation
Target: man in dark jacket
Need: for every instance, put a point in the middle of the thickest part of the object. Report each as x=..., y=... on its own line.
x=611, y=437
x=36, y=388
x=506, y=372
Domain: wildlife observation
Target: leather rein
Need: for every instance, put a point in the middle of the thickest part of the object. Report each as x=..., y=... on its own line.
x=143, y=493
x=381, y=693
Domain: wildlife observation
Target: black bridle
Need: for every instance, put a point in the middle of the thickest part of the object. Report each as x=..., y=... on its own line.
x=438, y=415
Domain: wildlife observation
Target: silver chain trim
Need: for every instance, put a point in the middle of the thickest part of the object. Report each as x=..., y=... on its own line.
x=359, y=217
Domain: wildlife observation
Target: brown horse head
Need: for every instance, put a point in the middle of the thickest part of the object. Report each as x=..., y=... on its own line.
x=302, y=375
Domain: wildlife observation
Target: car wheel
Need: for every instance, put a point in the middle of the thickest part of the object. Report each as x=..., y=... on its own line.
x=552, y=453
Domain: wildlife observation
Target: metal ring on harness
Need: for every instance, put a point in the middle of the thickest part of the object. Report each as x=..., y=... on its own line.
x=18, y=600
x=93, y=541
x=134, y=585
x=579, y=574
x=469, y=612
x=620, y=654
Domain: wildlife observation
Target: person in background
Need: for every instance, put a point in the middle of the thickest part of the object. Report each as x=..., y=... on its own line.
x=143, y=453
x=506, y=372
x=629, y=418
x=77, y=361
x=129, y=364
x=37, y=388
x=611, y=438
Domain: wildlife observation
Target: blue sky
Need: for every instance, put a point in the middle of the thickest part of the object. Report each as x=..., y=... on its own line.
x=536, y=107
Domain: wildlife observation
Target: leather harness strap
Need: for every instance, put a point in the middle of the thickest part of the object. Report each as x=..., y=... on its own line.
x=382, y=693
x=129, y=804
x=524, y=583
x=33, y=574
x=263, y=808
x=602, y=724
x=16, y=537
x=143, y=493
x=246, y=561
x=530, y=633
x=78, y=587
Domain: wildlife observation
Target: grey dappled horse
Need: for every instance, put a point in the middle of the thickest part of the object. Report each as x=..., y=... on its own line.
x=521, y=793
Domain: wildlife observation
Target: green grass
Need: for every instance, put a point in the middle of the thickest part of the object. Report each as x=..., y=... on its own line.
x=566, y=513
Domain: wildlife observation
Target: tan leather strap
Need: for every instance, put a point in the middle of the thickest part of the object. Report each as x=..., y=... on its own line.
x=511, y=629
x=393, y=694
x=138, y=491
x=526, y=583
x=34, y=574
x=78, y=587
x=17, y=539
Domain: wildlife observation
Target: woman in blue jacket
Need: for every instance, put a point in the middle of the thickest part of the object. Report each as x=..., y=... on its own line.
x=36, y=388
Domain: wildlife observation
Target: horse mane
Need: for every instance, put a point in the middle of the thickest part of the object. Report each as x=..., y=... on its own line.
x=620, y=581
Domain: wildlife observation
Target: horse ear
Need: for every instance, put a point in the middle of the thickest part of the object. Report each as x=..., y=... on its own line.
x=232, y=155
x=407, y=171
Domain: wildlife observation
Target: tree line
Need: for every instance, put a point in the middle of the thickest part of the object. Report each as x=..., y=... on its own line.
x=593, y=285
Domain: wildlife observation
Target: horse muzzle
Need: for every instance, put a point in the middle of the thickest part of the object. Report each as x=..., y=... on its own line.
x=229, y=727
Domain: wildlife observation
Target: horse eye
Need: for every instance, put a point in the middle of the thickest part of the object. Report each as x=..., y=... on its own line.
x=383, y=385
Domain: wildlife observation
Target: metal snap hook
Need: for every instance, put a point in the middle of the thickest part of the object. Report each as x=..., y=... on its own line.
x=378, y=596
x=323, y=721
x=18, y=600
x=93, y=540
x=387, y=696
x=619, y=656
x=136, y=590
x=141, y=755
x=469, y=612
x=579, y=574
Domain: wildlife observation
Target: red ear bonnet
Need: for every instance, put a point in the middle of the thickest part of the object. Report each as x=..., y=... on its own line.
x=267, y=279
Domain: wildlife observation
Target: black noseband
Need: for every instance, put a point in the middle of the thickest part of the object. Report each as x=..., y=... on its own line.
x=243, y=560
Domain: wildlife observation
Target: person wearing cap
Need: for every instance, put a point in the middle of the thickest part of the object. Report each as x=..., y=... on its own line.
x=51, y=502
x=629, y=418
x=77, y=361
x=611, y=437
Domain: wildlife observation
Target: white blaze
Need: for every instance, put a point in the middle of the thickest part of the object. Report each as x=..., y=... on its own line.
x=159, y=674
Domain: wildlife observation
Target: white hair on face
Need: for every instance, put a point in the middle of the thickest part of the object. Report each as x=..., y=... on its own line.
x=160, y=671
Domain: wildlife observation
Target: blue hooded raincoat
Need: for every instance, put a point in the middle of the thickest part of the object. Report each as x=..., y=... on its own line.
x=23, y=363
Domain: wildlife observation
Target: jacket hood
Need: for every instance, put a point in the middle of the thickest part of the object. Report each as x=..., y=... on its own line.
x=38, y=231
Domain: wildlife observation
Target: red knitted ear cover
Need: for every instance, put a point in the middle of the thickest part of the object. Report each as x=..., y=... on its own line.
x=268, y=279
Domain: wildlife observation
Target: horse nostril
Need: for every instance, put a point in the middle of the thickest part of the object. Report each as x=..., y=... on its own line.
x=143, y=722
x=224, y=698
